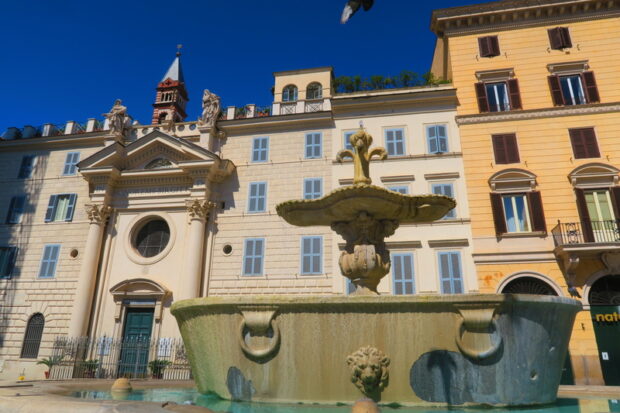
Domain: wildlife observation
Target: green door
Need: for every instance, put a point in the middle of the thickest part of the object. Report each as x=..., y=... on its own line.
x=606, y=320
x=136, y=342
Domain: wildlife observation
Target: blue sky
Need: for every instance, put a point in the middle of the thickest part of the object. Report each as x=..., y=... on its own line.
x=69, y=60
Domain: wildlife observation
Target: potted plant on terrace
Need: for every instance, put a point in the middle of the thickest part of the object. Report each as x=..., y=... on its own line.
x=157, y=367
x=90, y=367
x=50, y=362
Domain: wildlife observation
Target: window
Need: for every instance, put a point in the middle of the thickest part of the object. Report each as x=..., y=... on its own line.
x=437, y=138
x=450, y=274
x=349, y=286
x=71, y=163
x=61, y=207
x=152, y=238
x=27, y=166
x=16, y=209
x=489, y=46
x=8, y=255
x=253, y=256
x=403, y=189
x=395, y=142
x=258, y=197
x=402, y=274
x=32, y=338
x=314, y=91
x=313, y=145
x=289, y=93
x=505, y=148
x=518, y=212
x=311, y=255
x=313, y=188
x=159, y=163
x=498, y=96
x=559, y=38
x=584, y=143
x=347, y=143
x=573, y=89
x=446, y=189
x=260, y=149
x=49, y=261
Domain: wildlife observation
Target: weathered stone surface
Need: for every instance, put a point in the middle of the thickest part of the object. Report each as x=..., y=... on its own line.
x=121, y=385
x=365, y=406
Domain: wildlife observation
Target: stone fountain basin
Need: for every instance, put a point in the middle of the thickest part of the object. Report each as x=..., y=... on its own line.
x=502, y=350
x=346, y=203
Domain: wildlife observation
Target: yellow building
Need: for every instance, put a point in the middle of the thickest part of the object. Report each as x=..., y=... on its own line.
x=538, y=86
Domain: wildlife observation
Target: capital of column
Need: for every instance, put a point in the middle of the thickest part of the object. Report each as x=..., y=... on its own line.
x=199, y=208
x=98, y=213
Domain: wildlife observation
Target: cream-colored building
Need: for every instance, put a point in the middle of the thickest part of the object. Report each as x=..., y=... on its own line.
x=105, y=230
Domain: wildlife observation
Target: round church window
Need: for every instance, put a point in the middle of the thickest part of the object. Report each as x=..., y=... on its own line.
x=152, y=238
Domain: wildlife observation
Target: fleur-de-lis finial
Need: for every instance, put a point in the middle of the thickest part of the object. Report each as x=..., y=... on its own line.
x=361, y=156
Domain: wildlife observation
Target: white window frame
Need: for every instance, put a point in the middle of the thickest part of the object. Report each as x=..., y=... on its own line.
x=257, y=152
x=403, y=282
x=513, y=203
x=571, y=92
x=452, y=213
x=71, y=162
x=439, y=139
x=286, y=95
x=450, y=276
x=311, y=255
x=345, y=139
x=394, y=141
x=313, y=194
x=310, y=146
x=402, y=189
x=51, y=262
x=256, y=197
x=253, y=257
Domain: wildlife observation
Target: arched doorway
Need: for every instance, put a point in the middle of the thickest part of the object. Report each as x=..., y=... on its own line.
x=534, y=285
x=604, y=300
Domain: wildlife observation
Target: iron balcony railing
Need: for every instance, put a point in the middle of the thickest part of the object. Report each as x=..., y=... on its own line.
x=585, y=232
x=108, y=358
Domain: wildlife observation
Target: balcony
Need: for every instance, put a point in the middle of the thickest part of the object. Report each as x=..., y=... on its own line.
x=597, y=232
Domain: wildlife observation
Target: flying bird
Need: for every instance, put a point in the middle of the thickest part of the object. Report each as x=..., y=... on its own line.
x=352, y=6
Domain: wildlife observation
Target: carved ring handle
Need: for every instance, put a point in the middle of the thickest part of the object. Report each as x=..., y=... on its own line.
x=262, y=326
x=478, y=320
x=496, y=339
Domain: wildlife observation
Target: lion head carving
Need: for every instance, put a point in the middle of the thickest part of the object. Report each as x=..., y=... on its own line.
x=369, y=369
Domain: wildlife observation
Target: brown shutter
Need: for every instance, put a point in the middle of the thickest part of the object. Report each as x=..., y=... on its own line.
x=582, y=207
x=564, y=33
x=499, y=149
x=556, y=90
x=537, y=214
x=498, y=214
x=590, y=86
x=484, y=46
x=512, y=150
x=589, y=140
x=555, y=38
x=494, y=45
x=615, y=195
x=577, y=141
x=515, y=96
x=481, y=95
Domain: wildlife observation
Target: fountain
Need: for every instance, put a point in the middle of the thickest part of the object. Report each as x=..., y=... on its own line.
x=470, y=349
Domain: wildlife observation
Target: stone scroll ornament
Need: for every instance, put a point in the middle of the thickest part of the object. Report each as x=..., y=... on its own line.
x=369, y=371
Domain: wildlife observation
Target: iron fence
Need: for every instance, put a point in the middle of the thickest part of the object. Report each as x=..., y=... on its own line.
x=108, y=358
x=586, y=232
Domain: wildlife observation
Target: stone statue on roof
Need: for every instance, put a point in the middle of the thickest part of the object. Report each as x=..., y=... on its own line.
x=117, y=118
x=211, y=108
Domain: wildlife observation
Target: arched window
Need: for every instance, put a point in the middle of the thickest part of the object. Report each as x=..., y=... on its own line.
x=159, y=163
x=32, y=338
x=289, y=93
x=605, y=291
x=314, y=91
x=528, y=285
x=162, y=117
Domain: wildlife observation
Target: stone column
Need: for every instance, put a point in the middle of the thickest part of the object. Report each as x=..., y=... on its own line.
x=198, y=211
x=98, y=215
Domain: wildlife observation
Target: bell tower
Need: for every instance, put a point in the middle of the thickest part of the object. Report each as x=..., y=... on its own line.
x=171, y=95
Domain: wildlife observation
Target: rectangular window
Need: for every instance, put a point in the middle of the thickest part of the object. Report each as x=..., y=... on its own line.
x=257, y=199
x=489, y=46
x=313, y=188
x=403, y=189
x=402, y=274
x=498, y=96
x=253, y=256
x=311, y=255
x=16, y=209
x=49, y=261
x=575, y=89
x=446, y=189
x=347, y=144
x=260, y=149
x=521, y=212
x=572, y=90
x=505, y=148
x=559, y=38
x=27, y=166
x=516, y=212
x=437, y=138
x=71, y=163
x=584, y=143
x=313, y=145
x=450, y=274
x=7, y=261
x=61, y=207
x=395, y=142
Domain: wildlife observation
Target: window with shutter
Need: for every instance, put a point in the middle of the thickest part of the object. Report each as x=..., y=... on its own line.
x=8, y=255
x=498, y=97
x=253, y=256
x=446, y=189
x=313, y=145
x=347, y=143
x=574, y=89
x=450, y=273
x=257, y=198
x=49, y=260
x=505, y=148
x=489, y=46
x=583, y=141
x=403, y=189
x=403, y=274
x=590, y=85
x=515, y=95
x=71, y=162
x=481, y=96
x=437, y=138
x=311, y=255
x=313, y=188
x=16, y=209
x=537, y=213
x=27, y=166
x=61, y=207
x=498, y=214
x=559, y=38
x=395, y=142
x=260, y=149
